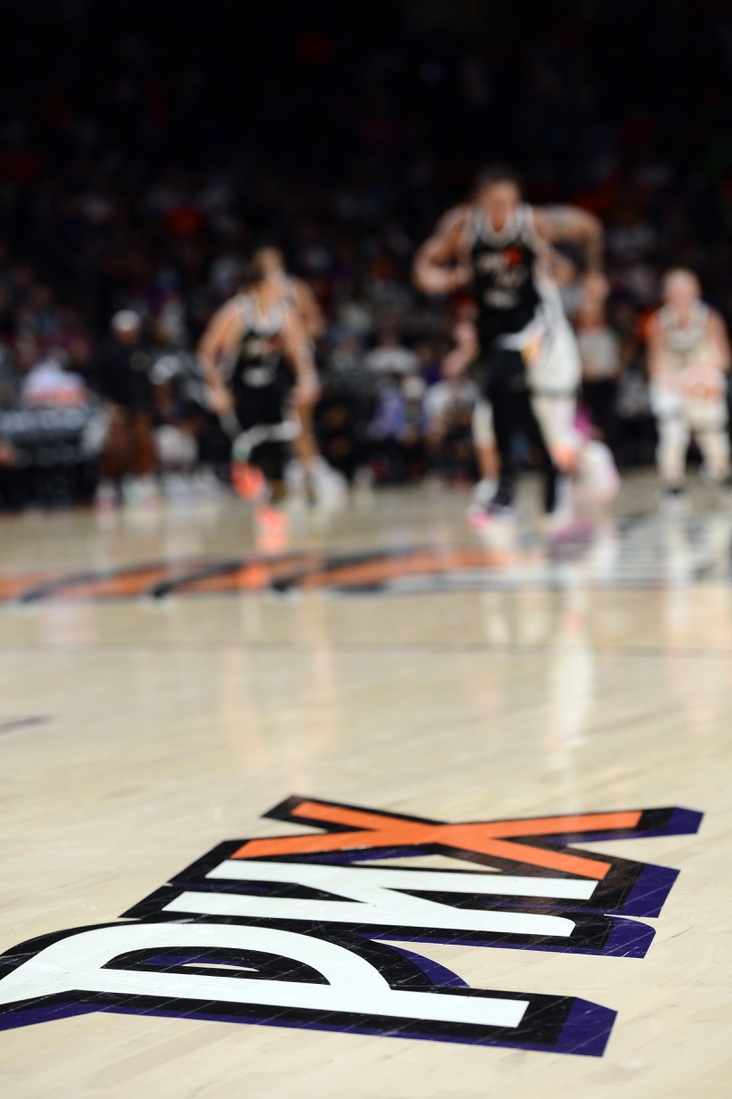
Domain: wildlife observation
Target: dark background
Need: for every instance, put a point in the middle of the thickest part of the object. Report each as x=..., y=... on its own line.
x=145, y=148
x=145, y=135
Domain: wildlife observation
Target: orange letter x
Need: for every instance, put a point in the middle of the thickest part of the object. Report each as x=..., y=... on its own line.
x=371, y=830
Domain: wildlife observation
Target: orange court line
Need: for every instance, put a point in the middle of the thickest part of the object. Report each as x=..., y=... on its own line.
x=310, y=570
x=122, y=585
x=391, y=568
x=374, y=830
x=13, y=586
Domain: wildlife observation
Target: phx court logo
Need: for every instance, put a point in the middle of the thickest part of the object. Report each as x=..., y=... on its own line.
x=301, y=930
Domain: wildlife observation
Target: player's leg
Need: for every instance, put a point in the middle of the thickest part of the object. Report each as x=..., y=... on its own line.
x=486, y=452
x=587, y=477
x=505, y=387
x=673, y=443
x=671, y=453
x=715, y=449
x=548, y=422
x=141, y=488
x=673, y=438
x=115, y=458
x=708, y=420
x=248, y=427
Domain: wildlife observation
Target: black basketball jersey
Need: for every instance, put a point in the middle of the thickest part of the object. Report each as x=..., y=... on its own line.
x=260, y=362
x=504, y=279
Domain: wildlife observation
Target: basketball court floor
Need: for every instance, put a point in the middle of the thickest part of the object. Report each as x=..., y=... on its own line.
x=488, y=767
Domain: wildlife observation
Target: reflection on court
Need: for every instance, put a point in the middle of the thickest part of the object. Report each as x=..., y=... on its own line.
x=513, y=680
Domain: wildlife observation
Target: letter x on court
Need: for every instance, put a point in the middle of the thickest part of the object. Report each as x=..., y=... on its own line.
x=534, y=841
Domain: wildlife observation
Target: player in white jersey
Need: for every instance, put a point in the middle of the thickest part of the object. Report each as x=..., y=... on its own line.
x=688, y=359
x=500, y=247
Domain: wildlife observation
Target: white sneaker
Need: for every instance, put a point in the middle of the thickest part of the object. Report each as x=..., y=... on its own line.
x=106, y=497
x=674, y=500
x=295, y=477
x=141, y=491
x=484, y=491
x=207, y=485
x=329, y=485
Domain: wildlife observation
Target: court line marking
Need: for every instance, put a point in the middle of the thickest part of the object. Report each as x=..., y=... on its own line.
x=336, y=646
x=23, y=723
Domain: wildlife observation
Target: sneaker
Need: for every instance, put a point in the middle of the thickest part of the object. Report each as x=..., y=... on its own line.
x=480, y=517
x=484, y=491
x=270, y=520
x=106, y=497
x=295, y=478
x=141, y=491
x=673, y=498
x=330, y=486
x=575, y=532
x=248, y=481
x=721, y=484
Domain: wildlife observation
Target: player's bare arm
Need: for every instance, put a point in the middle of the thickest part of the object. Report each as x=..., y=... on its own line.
x=656, y=352
x=564, y=224
x=719, y=344
x=561, y=267
x=219, y=341
x=310, y=310
x=297, y=350
x=440, y=265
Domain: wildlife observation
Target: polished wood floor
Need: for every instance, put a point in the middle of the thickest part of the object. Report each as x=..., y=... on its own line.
x=137, y=733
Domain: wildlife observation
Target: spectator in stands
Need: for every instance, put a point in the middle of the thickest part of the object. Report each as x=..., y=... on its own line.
x=390, y=356
x=448, y=411
x=129, y=458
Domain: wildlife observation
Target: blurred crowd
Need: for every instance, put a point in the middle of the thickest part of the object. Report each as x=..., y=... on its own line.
x=144, y=155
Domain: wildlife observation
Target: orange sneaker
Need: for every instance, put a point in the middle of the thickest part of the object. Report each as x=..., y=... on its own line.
x=269, y=520
x=248, y=481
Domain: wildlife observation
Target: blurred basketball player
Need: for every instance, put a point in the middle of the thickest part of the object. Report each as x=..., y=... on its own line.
x=688, y=358
x=462, y=359
x=501, y=247
x=252, y=351
x=296, y=292
x=311, y=469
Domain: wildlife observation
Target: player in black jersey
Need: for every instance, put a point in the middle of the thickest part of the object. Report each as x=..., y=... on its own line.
x=309, y=472
x=500, y=247
x=252, y=352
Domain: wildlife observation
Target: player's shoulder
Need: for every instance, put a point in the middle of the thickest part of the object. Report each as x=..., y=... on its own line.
x=286, y=314
x=234, y=304
x=299, y=288
x=235, y=311
x=713, y=317
x=454, y=220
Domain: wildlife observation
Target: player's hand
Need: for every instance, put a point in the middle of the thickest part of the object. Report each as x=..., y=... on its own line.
x=701, y=382
x=219, y=400
x=443, y=280
x=456, y=278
